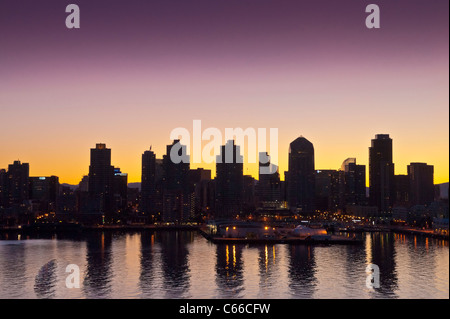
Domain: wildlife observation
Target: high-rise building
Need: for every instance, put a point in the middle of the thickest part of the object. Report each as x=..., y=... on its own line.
x=354, y=179
x=268, y=188
x=101, y=176
x=381, y=173
x=120, y=191
x=176, y=190
x=45, y=191
x=229, y=181
x=83, y=185
x=3, y=189
x=421, y=181
x=402, y=190
x=148, y=183
x=44, y=188
x=327, y=190
x=200, y=180
x=301, y=179
x=18, y=183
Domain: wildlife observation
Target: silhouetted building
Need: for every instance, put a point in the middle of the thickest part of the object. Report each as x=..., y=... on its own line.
x=17, y=183
x=248, y=195
x=101, y=175
x=44, y=191
x=381, y=173
x=327, y=190
x=229, y=182
x=354, y=180
x=176, y=191
x=301, y=180
x=421, y=180
x=3, y=189
x=148, y=183
x=402, y=190
x=268, y=188
x=67, y=202
x=120, y=191
x=83, y=185
x=200, y=183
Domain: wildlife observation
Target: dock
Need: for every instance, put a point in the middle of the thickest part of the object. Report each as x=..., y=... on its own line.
x=331, y=240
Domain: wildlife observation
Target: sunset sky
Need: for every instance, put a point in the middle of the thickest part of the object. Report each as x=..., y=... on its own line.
x=137, y=69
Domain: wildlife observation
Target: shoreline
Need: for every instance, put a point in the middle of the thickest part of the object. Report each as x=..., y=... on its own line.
x=66, y=228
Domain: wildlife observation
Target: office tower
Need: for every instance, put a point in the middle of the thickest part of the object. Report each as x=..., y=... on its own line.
x=301, y=180
x=45, y=191
x=421, y=180
x=354, y=180
x=120, y=191
x=101, y=175
x=381, y=173
x=327, y=190
x=229, y=182
x=3, y=189
x=176, y=192
x=68, y=202
x=17, y=183
x=248, y=195
x=402, y=190
x=148, y=184
x=268, y=188
x=200, y=180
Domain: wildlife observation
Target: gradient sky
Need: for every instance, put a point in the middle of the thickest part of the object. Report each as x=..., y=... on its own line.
x=138, y=69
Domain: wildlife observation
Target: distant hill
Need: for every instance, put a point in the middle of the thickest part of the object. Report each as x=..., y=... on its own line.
x=72, y=187
x=134, y=185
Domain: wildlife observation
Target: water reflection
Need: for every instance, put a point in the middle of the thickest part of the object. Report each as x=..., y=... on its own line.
x=229, y=270
x=97, y=282
x=383, y=254
x=13, y=269
x=174, y=262
x=268, y=270
x=302, y=269
x=171, y=264
x=45, y=281
x=146, y=277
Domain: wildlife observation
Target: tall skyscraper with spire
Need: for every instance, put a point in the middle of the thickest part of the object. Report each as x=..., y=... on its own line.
x=148, y=183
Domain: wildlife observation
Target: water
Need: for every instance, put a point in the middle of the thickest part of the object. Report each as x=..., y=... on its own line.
x=182, y=264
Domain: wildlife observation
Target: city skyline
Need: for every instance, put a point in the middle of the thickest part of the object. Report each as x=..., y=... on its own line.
x=132, y=73
x=253, y=166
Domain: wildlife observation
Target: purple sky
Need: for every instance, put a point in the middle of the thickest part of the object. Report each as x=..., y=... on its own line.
x=137, y=69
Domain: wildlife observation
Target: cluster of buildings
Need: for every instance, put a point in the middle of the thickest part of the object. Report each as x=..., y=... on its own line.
x=174, y=193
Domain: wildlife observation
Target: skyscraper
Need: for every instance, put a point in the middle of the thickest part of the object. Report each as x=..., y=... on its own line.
x=301, y=180
x=327, y=190
x=381, y=173
x=354, y=179
x=101, y=175
x=3, y=189
x=45, y=191
x=402, y=190
x=17, y=183
x=176, y=192
x=229, y=181
x=148, y=183
x=120, y=191
x=268, y=188
x=421, y=182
